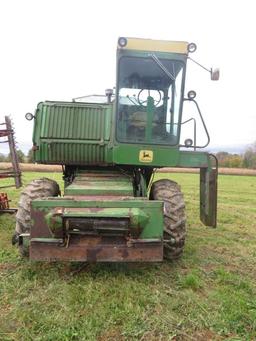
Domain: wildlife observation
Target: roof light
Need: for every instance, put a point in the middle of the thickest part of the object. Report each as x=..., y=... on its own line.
x=122, y=42
x=192, y=47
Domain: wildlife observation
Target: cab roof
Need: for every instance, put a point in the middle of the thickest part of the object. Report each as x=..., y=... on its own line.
x=140, y=44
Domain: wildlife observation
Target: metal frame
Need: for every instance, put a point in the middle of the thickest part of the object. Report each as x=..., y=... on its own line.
x=143, y=54
x=204, y=125
x=13, y=172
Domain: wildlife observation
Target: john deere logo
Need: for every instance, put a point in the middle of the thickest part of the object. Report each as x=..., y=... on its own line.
x=146, y=156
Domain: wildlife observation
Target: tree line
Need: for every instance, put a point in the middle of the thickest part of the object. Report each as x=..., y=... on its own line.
x=22, y=157
x=245, y=160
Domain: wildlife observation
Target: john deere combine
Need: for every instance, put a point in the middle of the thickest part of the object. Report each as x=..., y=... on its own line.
x=109, y=147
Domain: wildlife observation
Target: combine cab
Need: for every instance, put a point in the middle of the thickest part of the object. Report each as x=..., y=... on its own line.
x=109, y=146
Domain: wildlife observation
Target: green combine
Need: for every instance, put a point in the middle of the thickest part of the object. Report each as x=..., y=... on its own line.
x=109, y=147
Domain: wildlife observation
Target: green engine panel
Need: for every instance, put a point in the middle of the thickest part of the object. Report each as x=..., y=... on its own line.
x=72, y=133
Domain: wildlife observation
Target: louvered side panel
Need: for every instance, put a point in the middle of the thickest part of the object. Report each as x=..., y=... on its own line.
x=68, y=153
x=69, y=121
x=72, y=133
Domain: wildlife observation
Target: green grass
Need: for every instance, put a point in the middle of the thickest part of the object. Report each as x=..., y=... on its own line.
x=209, y=294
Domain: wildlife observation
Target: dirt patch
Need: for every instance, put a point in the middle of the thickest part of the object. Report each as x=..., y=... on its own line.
x=7, y=266
x=206, y=335
x=110, y=335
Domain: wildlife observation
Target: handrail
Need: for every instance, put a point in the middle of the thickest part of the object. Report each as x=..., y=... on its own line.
x=204, y=125
x=194, y=120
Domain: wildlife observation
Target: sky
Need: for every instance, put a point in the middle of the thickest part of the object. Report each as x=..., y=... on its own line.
x=59, y=49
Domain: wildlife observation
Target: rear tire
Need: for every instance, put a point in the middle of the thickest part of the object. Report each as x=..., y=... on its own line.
x=174, y=216
x=39, y=188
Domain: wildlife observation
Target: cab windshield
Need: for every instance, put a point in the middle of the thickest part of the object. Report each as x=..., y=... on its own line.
x=149, y=96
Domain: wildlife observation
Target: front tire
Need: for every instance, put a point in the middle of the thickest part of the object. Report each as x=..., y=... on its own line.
x=40, y=188
x=174, y=216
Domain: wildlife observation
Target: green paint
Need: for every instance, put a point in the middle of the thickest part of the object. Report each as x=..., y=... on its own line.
x=45, y=203
x=105, y=137
x=143, y=214
x=84, y=133
x=94, y=188
x=102, y=213
x=105, y=184
x=191, y=159
x=54, y=221
x=162, y=156
x=150, y=112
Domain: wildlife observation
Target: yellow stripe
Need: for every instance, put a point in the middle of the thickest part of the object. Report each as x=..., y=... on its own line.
x=156, y=45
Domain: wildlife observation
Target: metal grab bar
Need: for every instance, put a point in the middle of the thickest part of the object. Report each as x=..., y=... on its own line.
x=205, y=128
x=194, y=120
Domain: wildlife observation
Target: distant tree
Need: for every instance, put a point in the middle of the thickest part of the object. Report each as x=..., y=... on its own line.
x=30, y=156
x=222, y=155
x=3, y=157
x=249, y=158
x=226, y=159
x=222, y=158
x=20, y=154
x=235, y=161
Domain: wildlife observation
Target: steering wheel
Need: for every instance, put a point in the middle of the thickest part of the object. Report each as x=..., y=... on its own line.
x=156, y=100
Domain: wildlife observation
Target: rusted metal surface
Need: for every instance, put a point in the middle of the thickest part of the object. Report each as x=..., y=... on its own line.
x=97, y=227
x=106, y=183
x=97, y=249
x=4, y=204
x=5, y=132
x=102, y=197
x=98, y=176
x=40, y=229
x=9, y=210
x=94, y=233
x=103, y=227
x=208, y=196
x=94, y=188
x=15, y=172
x=60, y=222
x=4, y=175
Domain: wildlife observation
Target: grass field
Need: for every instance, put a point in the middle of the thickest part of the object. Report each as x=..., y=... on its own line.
x=209, y=294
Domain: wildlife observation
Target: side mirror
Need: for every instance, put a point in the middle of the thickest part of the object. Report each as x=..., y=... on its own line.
x=215, y=74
